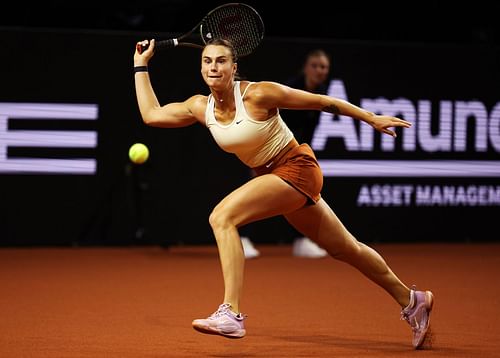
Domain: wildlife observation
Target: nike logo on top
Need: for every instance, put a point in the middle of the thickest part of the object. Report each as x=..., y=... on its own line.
x=238, y=122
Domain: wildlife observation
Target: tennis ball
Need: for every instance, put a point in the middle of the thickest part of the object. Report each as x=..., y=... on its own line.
x=138, y=153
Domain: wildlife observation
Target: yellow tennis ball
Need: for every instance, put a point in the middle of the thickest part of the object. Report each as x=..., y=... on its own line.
x=138, y=153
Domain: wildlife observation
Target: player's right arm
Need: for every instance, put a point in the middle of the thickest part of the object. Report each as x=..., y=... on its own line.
x=176, y=114
x=172, y=115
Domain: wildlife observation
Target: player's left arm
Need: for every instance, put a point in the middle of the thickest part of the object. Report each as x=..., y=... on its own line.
x=274, y=95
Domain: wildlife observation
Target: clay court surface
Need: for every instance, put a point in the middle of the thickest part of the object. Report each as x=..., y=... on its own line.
x=140, y=301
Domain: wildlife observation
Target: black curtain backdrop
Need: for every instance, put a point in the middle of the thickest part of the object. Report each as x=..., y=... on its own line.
x=168, y=200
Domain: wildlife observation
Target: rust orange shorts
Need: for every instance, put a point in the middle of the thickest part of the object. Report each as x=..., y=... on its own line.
x=298, y=167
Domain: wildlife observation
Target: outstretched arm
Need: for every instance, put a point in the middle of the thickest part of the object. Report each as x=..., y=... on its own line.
x=381, y=123
x=274, y=95
x=153, y=114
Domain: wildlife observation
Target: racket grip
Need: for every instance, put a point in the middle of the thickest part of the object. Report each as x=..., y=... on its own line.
x=159, y=45
x=166, y=43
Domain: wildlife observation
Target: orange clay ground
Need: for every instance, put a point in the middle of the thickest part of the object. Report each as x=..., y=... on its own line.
x=140, y=301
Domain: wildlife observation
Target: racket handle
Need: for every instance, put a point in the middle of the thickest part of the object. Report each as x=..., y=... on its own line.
x=159, y=45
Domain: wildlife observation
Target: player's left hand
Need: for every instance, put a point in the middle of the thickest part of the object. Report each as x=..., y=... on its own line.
x=383, y=123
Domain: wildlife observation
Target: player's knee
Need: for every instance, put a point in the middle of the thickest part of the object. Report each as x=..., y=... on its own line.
x=214, y=219
x=219, y=219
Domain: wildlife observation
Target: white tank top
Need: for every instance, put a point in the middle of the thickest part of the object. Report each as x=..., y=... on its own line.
x=254, y=142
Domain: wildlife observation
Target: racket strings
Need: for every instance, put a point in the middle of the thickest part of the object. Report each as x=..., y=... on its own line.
x=240, y=25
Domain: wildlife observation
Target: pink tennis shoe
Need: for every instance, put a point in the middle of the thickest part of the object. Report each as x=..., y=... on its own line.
x=417, y=314
x=223, y=322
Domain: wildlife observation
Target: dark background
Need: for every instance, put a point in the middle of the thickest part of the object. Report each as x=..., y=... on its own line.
x=408, y=21
x=64, y=52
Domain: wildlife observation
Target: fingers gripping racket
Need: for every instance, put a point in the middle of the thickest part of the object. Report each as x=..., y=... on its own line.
x=236, y=22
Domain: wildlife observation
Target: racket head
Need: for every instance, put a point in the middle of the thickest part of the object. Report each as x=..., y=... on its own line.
x=237, y=22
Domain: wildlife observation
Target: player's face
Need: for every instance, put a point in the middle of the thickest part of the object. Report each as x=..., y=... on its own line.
x=316, y=69
x=217, y=66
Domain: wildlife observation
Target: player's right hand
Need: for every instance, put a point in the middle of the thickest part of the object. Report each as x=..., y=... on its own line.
x=144, y=50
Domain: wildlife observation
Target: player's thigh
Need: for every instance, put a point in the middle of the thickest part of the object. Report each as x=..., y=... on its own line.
x=261, y=197
x=319, y=223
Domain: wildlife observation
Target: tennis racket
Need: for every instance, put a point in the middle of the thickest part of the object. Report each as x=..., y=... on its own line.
x=236, y=22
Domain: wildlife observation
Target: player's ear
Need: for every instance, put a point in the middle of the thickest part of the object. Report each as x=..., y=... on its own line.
x=235, y=68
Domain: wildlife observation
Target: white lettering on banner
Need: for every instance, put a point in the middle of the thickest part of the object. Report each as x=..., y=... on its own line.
x=385, y=195
x=440, y=142
x=342, y=127
x=471, y=195
x=398, y=195
x=391, y=108
x=46, y=138
x=451, y=136
x=494, y=127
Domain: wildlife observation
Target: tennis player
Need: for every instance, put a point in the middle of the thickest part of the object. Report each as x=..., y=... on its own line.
x=244, y=119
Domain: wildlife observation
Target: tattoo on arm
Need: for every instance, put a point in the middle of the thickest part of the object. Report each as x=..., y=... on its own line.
x=331, y=108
